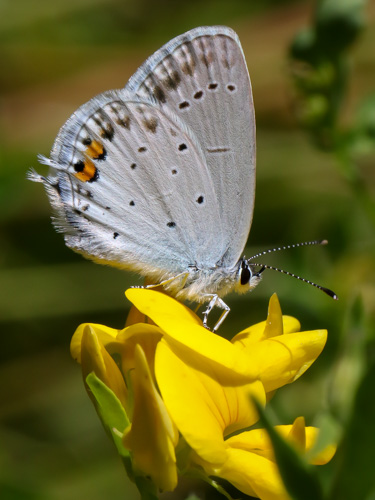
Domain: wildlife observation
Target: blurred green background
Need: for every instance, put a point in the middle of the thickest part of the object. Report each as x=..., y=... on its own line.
x=315, y=109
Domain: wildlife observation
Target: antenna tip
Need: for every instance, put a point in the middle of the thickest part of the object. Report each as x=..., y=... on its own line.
x=330, y=293
x=324, y=242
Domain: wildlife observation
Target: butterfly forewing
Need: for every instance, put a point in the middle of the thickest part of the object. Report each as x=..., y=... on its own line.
x=202, y=76
x=131, y=187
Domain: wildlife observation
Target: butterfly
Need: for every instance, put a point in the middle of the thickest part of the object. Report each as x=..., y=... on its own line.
x=159, y=177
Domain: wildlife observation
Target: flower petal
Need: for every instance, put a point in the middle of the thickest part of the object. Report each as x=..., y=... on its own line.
x=94, y=358
x=274, y=322
x=290, y=433
x=297, y=434
x=105, y=333
x=135, y=316
x=202, y=408
x=152, y=435
x=191, y=339
x=147, y=336
x=252, y=474
x=257, y=441
x=275, y=325
x=158, y=305
x=290, y=324
x=285, y=358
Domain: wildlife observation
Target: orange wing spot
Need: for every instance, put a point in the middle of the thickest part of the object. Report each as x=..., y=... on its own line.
x=88, y=173
x=95, y=150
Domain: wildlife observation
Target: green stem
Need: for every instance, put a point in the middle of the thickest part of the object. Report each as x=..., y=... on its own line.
x=146, y=488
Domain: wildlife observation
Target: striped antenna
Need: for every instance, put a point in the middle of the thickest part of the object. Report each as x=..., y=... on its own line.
x=288, y=247
x=322, y=288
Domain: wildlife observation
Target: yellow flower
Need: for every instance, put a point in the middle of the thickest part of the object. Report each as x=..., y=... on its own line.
x=250, y=463
x=206, y=383
x=175, y=374
x=151, y=436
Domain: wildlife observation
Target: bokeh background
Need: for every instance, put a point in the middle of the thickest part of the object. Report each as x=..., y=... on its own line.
x=313, y=77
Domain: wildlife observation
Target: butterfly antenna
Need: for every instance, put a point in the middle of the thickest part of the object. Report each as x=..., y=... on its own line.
x=322, y=288
x=288, y=247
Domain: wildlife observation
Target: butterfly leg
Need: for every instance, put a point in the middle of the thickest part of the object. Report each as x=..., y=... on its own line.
x=215, y=301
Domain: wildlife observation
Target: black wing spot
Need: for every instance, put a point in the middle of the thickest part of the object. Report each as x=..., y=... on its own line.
x=133, y=166
x=131, y=203
x=184, y=105
x=200, y=199
x=79, y=166
x=198, y=94
x=172, y=81
x=187, y=68
x=86, y=141
x=212, y=86
x=101, y=156
x=124, y=122
x=95, y=176
x=142, y=149
x=107, y=132
x=174, y=171
x=231, y=87
x=115, y=235
x=182, y=147
x=159, y=94
x=171, y=224
x=151, y=124
x=226, y=64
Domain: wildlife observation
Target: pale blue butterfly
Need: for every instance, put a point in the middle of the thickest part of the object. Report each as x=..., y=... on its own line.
x=159, y=177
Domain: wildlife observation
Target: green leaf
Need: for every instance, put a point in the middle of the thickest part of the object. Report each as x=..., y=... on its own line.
x=356, y=454
x=351, y=363
x=298, y=477
x=110, y=410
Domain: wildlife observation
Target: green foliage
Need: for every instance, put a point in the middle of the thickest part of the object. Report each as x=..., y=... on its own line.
x=320, y=69
x=320, y=66
x=355, y=476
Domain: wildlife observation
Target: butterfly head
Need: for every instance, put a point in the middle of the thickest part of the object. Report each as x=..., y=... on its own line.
x=247, y=277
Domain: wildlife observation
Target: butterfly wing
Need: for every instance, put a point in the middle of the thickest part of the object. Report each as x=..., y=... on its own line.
x=202, y=76
x=130, y=187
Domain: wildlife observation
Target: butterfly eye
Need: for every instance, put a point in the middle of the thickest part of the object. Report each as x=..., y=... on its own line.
x=246, y=274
